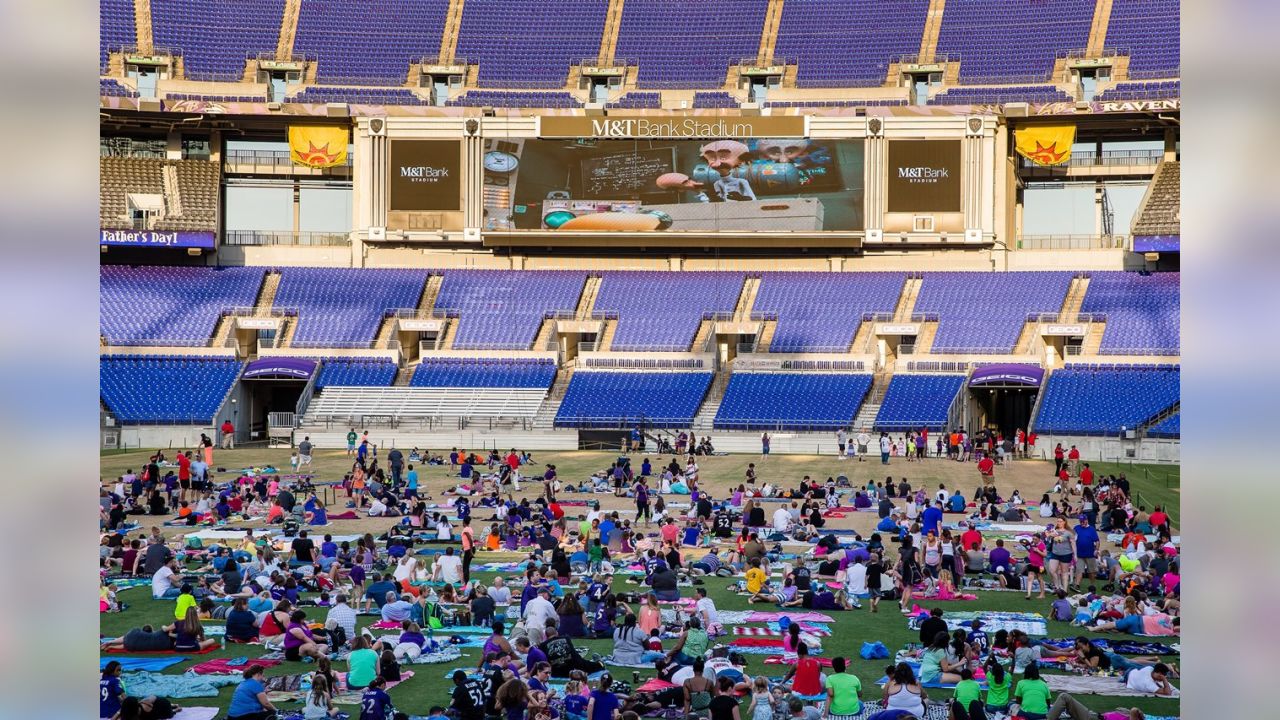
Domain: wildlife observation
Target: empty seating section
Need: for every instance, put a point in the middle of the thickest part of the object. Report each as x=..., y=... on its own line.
x=621, y=399
x=1093, y=400
x=195, y=207
x=835, y=103
x=1147, y=30
x=717, y=99
x=1163, y=210
x=430, y=404
x=1142, y=312
x=1170, y=427
x=681, y=44
x=1000, y=95
x=529, y=43
x=216, y=37
x=120, y=176
x=1157, y=90
x=981, y=312
x=499, y=98
x=110, y=88
x=343, y=307
x=660, y=311
x=216, y=98
x=356, y=372
x=116, y=28
x=173, y=306
x=165, y=389
x=821, y=312
x=371, y=42
x=485, y=372
x=637, y=101
x=918, y=401
x=848, y=43
x=504, y=309
x=791, y=401
x=1009, y=41
x=359, y=96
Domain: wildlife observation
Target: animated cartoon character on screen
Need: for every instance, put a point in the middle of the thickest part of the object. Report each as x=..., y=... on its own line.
x=680, y=181
x=723, y=157
x=811, y=162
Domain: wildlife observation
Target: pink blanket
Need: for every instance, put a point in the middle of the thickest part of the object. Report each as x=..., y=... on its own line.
x=795, y=617
x=223, y=666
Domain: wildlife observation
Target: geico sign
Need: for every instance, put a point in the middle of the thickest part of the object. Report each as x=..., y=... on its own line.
x=425, y=172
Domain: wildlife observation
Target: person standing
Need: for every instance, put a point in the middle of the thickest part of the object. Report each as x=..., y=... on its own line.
x=841, y=437
x=228, y=435
x=884, y=448
x=396, y=459
x=1058, y=456
x=764, y=446
x=864, y=440
x=468, y=549
x=1073, y=460
x=351, y=442
x=304, y=452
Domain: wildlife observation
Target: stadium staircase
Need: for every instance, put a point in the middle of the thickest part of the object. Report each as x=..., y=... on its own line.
x=261, y=308
x=605, y=340
x=1158, y=418
x=142, y=21
x=706, y=331
x=404, y=375
x=1075, y=298
x=587, y=301
x=746, y=300
x=452, y=29
x=1159, y=211
x=866, y=417
x=545, y=419
x=907, y=302
x=609, y=38
x=767, y=330
x=546, y=331
x=769, y=36
x=932, y=29
x=1093, y=339
x=929, y=330
x=426, y=305
x=450, y=332
x=288, y=29
x=706, y=416
x=1098, y=29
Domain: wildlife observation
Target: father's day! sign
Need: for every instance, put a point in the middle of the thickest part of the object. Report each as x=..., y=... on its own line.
x=157, y=238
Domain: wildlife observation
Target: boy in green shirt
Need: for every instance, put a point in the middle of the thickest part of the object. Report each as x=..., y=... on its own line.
x=595, y=554
x=1032, y=693
x=844, y=690
x=968, y=693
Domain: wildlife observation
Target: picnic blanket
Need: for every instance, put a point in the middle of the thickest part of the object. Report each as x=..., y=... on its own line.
x=222, y=534
x=915, y=668
x=1094, y=685
x=196, y=713
x=142, y=684
x=1123, y=647
x=781, y=660
x=348, y=515
x=136, y=664
x=229, y=666
x=992, y=621
x=608, y=660
x=775, y=616
x=353, y=697
x=774, y=631
x=654, y=685
x=122, y=651
x=283, y=683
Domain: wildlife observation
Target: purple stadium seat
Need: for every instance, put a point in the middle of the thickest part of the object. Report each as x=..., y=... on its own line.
x=986, y=311
x=371, y=42
x=660, y=311
x=820, y=311
x=343, y=307
x=217, y=36
x=500, y=309
x=1147, y=30
x=680, y=44
x=848, y=43
x=1010, y=41
x=529, y=43
x=116, y=29
x=1142, y=311
x=175, y=306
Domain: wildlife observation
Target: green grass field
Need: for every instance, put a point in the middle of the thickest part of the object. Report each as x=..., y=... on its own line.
x=428, y=687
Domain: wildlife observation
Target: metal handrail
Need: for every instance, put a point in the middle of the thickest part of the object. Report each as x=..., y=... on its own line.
x=1072, y=242
x=283, y=237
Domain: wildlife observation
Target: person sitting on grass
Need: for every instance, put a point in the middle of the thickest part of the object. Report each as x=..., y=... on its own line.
x=298, y=641
x=188, y=634
x=250, y=701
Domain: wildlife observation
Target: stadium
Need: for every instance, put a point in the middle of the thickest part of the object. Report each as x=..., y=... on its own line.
x=805, y=237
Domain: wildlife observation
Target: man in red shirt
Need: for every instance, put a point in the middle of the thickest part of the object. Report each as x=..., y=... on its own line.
x=228, y=435
x=1073, y=458
x=184, y=475
x=1158, y=516
x=1064, y=479
x=987, y=467
x=971, y=539
x=1086, y=476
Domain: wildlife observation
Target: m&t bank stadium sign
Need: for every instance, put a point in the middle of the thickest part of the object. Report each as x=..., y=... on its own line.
x=690, y=126
x=157, y=238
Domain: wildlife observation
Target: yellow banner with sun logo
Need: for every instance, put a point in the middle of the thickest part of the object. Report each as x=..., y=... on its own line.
x=1046, y=144
x=318, y=146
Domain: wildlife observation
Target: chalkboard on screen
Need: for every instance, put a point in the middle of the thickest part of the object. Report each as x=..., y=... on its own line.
x=623, y=175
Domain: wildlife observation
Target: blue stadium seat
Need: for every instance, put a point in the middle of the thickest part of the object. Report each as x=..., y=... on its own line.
x=1097, y=400
x=356, y=372
x=918, y=401
x=166, y=389
x=613, y=399
x=791, y=401
x=486, y=373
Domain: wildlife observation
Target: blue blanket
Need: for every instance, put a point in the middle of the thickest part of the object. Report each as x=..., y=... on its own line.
x=133, y=664
x=142, y=684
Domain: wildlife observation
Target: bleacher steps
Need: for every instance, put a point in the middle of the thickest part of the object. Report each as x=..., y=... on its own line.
x=1158, y=418
x=907, y=301
x=386, y=331
x=289, y=327
x=1074, y=300
x=769, y=35
x=609, y=38
x=747, y=299
x=115, y=65
x=866, y=417
x=769, y=327
x=267, y=293
x=404, y=375
x=863, y=338
x=546, y=332
x=142, y=22
x=288, y=29
x=179, y=68
x=430, y=291
x=1025, y=338
x=924, y=341
x=1093, y=339
x=705, y=329
x=706, y=417
x=560, y=385
x=587, y=300
x=879, y=386
x=1098, y=29
x=932, y=28
x=605, y=341
x=450, y=331
x=452, y=28
x=172, y=191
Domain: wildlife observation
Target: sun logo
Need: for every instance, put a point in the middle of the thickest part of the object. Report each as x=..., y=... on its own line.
x=316, y=156
x=1045, y=155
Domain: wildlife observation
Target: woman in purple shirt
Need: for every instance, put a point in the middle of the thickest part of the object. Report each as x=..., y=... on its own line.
x=298, y=642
